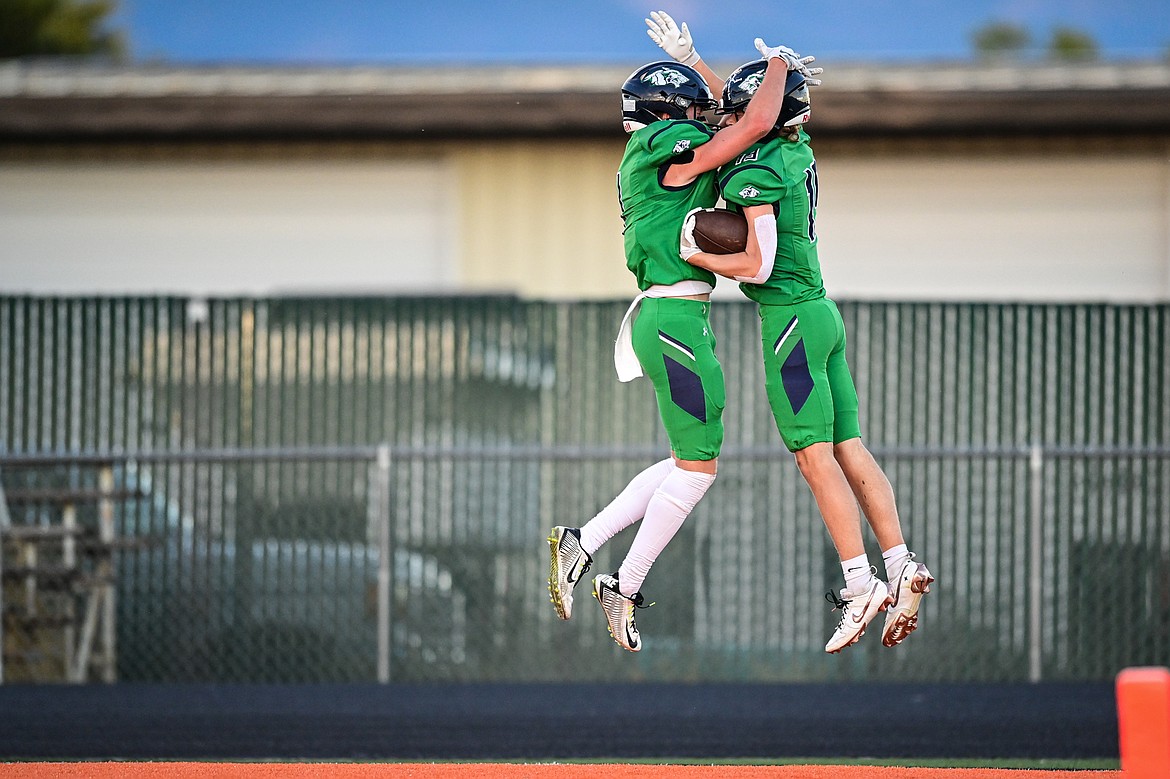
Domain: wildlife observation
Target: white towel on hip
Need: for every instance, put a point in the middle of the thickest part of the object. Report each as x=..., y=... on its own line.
x=624, y=358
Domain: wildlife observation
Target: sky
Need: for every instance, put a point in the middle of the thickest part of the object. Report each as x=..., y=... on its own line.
x=354, y=32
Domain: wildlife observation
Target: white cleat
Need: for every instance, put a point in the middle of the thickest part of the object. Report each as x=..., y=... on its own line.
x=902, y=615
x=568, y=564
x=619, y=611
x=857, y=611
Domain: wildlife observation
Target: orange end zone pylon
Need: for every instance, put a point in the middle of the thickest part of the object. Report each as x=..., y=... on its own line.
x=1143, y=720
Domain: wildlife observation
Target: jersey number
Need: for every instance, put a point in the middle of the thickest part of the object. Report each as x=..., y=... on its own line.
x=811, y=186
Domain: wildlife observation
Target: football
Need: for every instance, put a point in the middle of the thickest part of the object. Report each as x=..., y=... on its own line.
x=720, y=231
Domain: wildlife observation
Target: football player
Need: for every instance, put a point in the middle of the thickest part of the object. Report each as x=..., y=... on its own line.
x=810, y=389
x=667, y=170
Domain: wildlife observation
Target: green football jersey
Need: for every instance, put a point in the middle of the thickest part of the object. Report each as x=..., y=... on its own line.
x=782, y=174
x=652, y=212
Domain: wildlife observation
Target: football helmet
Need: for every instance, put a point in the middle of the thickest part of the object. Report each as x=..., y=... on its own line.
x=746, y=79
x=663, y=88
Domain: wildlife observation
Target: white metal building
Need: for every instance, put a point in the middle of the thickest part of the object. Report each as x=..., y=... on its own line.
x=957, y=182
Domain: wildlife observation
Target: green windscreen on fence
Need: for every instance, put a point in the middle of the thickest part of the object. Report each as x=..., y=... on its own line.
x=353, y=489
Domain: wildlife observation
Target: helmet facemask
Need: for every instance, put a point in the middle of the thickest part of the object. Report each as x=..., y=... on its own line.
x=798, y=103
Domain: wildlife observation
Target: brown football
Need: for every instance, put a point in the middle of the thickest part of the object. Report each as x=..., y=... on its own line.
x=720, y=231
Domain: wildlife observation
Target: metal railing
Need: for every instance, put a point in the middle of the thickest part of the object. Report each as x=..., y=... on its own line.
x=385, y=535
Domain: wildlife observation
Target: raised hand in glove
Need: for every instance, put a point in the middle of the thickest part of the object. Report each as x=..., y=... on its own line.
x=794, y=61
x=672, y=39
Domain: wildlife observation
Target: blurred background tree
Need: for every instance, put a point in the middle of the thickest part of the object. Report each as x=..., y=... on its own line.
x=1072, y=45
x=45, y=28
x=999, y=38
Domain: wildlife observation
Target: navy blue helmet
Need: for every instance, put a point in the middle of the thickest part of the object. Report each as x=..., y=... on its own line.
x=746, y=79
x=663, y=88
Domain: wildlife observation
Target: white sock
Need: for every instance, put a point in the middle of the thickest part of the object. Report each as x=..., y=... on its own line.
x=895, y=557
x=673, y=501
x=626, y=509
x=858, y=573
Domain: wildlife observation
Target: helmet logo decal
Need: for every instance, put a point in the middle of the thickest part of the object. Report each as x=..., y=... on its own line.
x=752, y=83
x=664, y=77
x=682, y=146
x=749, y=191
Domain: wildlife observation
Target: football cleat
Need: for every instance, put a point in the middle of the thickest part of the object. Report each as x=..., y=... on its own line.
x=619, y=611
x=568, y=564
x=857, y=611
x=907, y=591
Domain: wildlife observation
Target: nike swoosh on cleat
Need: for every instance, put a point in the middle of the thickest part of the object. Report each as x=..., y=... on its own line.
x=630, y=640
x=859, y=617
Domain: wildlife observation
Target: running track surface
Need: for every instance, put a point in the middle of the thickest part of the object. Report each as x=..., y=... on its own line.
x=548, y=722
x=506, y=771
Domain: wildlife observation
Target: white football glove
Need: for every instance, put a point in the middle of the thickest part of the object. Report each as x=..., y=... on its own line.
x=770, y=52
x=687, y=247
x=670, y=38
x=792, y=59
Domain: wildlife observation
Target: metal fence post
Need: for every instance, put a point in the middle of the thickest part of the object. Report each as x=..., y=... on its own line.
x=383, y=486
x=3, y=527
x=5, y=522
x=109, y=567
x=1035, y=560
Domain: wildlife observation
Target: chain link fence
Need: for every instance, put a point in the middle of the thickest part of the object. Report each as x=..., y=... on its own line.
x=359, y=489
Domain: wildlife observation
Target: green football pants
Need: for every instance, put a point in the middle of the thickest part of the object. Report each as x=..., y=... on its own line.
x=809, y=386
x=676, y=347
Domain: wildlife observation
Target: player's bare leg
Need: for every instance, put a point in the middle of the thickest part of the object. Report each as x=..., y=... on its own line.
x=872, y=490
x=834, y=498
x=908, y=580
x=864, y=595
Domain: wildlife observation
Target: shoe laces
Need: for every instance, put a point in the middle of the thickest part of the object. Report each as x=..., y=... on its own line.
x=839, y=604
x=636, y=599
